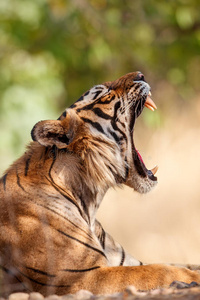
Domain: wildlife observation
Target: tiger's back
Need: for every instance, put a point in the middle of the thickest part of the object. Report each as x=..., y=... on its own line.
x=31, y=227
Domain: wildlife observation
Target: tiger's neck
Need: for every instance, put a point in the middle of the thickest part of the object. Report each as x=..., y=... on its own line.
x=79, y=182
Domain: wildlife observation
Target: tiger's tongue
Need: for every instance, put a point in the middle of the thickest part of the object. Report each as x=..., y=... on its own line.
x=154, y=170
x=140, y=156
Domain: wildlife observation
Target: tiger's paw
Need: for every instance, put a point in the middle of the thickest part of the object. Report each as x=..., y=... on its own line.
x=183, y=285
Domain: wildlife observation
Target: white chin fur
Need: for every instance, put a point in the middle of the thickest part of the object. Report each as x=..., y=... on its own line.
x=143, y=185
x=140, y=184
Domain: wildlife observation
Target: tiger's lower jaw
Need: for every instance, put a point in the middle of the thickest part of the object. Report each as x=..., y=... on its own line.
x=141, y=185
x=145, y=186
x=139, y=177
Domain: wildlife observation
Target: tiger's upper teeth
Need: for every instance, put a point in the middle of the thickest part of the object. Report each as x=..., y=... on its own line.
x=154, y=170
x=149, y=102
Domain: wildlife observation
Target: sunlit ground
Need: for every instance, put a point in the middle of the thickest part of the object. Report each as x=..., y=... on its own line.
x=164, y=225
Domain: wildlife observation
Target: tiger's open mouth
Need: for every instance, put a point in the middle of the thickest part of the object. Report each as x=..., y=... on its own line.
x=137, y=158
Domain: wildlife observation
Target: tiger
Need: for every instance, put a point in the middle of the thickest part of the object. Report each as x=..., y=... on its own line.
x=50, y=239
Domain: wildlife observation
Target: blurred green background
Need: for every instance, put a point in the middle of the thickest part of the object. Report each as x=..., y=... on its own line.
x=51, y=51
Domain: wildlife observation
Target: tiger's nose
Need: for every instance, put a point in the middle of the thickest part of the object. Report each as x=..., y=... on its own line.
x=139, y=77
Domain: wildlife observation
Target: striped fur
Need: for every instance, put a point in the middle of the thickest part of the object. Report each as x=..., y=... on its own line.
x=50, y=240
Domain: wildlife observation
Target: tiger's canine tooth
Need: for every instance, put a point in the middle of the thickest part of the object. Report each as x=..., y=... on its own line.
x=149, y=103
x=154, y=170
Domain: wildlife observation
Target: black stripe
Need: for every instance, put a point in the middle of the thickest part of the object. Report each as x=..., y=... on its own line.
x=102, y=238
x=82, y=270
x=137, y=86
x=86, y=107
x=18, y=182
x=139, y=106
x=101, y=114
x=10, y=272
x=27, y=166
x=4, y=181
x=45, y=153
x=126, y=168
x=89, y=106
x=73, y=106
x=85, y=208
x=132, y=122
x=98, y=87
x=115, y=136
x=121, y=108
x=123, y=257
x=94, y=124
x=80, y=99
x=63, y=116
x=123, y=125
x=40, y=272
x=83, y=243
x=85, y=94
x=113, y=121
x=41, y=283
x=116, y=107
x=97, y=93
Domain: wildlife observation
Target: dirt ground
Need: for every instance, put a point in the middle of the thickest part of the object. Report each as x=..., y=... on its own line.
x=129, y=294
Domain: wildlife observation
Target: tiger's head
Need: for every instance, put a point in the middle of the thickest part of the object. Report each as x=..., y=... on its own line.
x=98, y=128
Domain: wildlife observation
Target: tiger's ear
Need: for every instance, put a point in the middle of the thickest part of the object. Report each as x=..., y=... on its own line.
x=55, y=132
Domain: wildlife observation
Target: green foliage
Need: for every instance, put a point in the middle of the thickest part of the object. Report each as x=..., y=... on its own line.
x=52, y=51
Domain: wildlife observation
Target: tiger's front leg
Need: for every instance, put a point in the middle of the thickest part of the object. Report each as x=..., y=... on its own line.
x=146, y=277
x=117, y=256
x=114, y=252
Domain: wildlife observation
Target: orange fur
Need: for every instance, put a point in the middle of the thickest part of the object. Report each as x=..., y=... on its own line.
x=50, y=240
